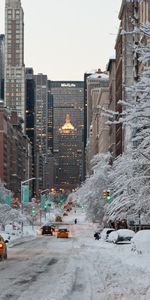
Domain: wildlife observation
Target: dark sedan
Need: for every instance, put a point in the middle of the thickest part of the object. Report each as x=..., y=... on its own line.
x=47, y=229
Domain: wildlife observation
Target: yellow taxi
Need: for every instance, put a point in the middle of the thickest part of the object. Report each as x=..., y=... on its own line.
x=63, y=233
x=3, y=248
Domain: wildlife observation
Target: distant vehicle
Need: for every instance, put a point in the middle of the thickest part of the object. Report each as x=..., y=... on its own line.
x=46, y=229
x=121, y=235
x=58, y=219
x=3, y=248
x=63, y=233
x=105, y=233
x=141, y=242
x=65, y=214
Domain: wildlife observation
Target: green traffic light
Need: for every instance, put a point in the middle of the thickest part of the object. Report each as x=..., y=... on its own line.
x=109, y=198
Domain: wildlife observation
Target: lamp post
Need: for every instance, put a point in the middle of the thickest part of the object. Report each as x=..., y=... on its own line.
x=22, y=183
x=41, y=192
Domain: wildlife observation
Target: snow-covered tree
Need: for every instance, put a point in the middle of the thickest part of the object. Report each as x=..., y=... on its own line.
x=3, y=192
x=131, y=184
x=8, y=215
x=90, y=194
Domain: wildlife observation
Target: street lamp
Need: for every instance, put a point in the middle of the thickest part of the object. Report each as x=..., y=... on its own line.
x=43, y=203
x=22, y=183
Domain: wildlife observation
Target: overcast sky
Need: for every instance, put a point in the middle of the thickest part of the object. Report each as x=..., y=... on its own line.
x=66, y=38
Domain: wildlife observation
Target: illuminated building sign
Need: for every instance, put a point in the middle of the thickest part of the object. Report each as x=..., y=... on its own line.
x=68, y=85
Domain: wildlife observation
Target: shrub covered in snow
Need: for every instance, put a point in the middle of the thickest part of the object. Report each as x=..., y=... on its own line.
x=141, y=242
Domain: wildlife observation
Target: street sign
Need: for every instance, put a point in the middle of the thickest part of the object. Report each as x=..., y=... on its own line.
x=43, y=201
x=25, y=192
x=8, y=199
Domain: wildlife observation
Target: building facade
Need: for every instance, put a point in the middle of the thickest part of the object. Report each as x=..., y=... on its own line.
x=99, y=139
x=15, y=152
x=95, y=80
x=30, y=103
x=68, y=99
x=111, y=68
x=41, y=128
x=69, y=169
x=30, y=116
x=2, y=61
x=14, y=58
x=50, y=122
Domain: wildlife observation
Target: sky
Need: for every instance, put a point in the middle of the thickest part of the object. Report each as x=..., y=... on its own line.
x=66, y=38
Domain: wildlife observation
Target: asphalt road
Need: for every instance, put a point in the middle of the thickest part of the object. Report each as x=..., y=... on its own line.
x=78, y=268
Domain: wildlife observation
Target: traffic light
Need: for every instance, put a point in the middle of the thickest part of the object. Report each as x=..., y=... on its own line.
x=33, y=211
x=107, y=195
x=45, y=205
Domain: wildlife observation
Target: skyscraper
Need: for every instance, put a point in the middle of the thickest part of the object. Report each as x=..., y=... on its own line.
x=50, y=122
x=69, y=161
x=41, y=128
x=30, y=102
x=14, y=57
x=68, y=146
x=2, y=51
x=41, y=112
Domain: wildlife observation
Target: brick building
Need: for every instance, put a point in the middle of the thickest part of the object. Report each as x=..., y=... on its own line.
x=15, y=152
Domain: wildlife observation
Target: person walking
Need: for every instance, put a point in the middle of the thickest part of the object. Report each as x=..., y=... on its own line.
x=75, y=221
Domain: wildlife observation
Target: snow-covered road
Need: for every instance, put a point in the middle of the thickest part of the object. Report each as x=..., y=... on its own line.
x=47, y=268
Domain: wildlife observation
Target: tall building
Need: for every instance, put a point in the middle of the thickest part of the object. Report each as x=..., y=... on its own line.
x=41, y=127
x=68, y=173
x=14, y=57
x=2, y=57
x=41, y=112
x=30, y=102
x=15, y=152
x=86, y=75
x=95, y=80
x=111, y=68
x=50, y=122
x=85, y=121
x=68, y=99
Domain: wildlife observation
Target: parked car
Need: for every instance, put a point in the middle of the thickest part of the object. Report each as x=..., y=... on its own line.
x=3, y=248
x=121, y=235
x=141, y=242
x=105, y=233
x=97, y=235
x=63, y=233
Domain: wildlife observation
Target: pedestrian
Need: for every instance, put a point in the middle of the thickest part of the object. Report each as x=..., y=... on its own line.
x=75, y=221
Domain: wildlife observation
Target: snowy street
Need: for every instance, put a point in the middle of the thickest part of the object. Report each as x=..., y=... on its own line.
x=47, y=268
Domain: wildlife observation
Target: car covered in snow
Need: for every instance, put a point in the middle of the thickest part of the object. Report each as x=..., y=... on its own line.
x=105, y=233
x=121, y=235
x=141, y=242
